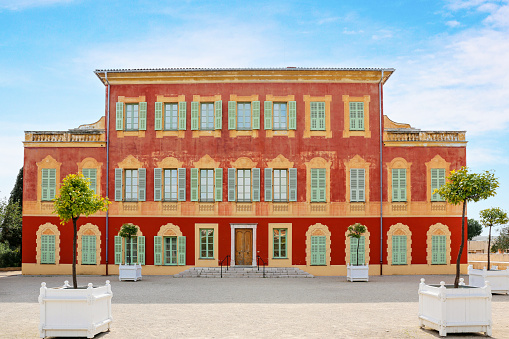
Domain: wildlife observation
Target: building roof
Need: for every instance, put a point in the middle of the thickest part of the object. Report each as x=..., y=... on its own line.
x=204, y=75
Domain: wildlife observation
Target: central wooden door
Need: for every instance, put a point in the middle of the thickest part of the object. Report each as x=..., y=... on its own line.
x=244, y=246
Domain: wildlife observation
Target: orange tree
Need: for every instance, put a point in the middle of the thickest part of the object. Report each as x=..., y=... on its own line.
x=492, y=217
x=462, y=187
x=356, y=231
x=76, y=198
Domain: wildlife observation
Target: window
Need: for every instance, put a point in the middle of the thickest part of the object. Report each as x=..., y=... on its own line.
x=438, y=249
x=280, y=243
x=131, y=249
x=317, y=116
x=88, y=249
x=135, y=248
x=202, y=184
x=318, y=250
x=280, y=185
x=48, y=184
x=171, y=117
x=280, y=115
x=206, y=116
x=399, y=249
x=243, y=115
x=206, y=243
x=318, y=184
x=135, y=116
x=91, y=174
x=47, y=249
x=357, y=185
x=130, y=184
x=170, y=184
x=243, y=185
x=356, y=116
x=353, y=250
x=206, y=185
x=169, y=250
x=437, y=181
x=399, y=184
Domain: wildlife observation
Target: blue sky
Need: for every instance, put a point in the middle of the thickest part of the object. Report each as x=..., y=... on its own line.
x=450, y=58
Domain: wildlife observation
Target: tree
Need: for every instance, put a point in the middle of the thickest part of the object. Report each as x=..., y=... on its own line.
x=492, y=217
x=11, y=225
x=462, y=187
x=128, y=231
x=356, y=231
x=474, y=228
x=501, y=243
x=17, y=191
x=76, y=198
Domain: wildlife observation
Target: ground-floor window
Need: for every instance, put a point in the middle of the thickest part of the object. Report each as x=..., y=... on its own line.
x=353, y=250
x=206, y=243
x=169, y=250
x=47, y=249
x=280, y=243
x=438, y=249
x=318, y=250
x=133, y=248
x=399, y=250
x=88, y=249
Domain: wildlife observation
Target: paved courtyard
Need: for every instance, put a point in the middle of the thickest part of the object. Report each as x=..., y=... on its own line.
x=321, y=307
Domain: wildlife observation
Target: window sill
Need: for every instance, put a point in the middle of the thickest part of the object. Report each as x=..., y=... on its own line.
x=348, y=134
x=207, y=133
x=207, y=258
x=240, y=133
x=170, y=133
x=314, y=133
x=284, y=133
x=139, y=134
x=282, y=258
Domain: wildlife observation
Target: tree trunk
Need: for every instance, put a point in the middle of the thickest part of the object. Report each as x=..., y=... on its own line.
x=129, y=251
x=74, y=241
x=358, y=241
x=489, y=249
x=457, y=279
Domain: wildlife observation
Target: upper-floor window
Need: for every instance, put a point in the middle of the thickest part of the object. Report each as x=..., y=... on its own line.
x=130, y=184
x=206, y=184
x=280, y=115
x=357, y=185
x=91, y=175
x=318, y=185
x=171, y=116
x=244, y=115
x=399, y=184
x=48, y=184
x=437, y=181
x=317, y=116
x=169, y=184
x=356, y=116
x=206, y=116
x=131, y=116
x=280, y=184
x=244, y=184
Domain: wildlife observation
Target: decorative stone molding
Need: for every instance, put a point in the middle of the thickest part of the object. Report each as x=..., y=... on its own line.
x=92, y=163
x=48, y=229
x=308, y=133
x=130, y=162
x=318, y=230
x=318, y=162
x=399, y=229
x=206, y=162
x=244, y=162
x=357, y=162
x=47, y=162
x=280, y=162
x=169, y=230
x=438, y=229
x=346, y=129
x=169, y=162
x=90, y=229
x=366, y=246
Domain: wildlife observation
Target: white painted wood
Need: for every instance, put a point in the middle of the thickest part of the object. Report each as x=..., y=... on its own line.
x=499, y=280
x=357, y=273
x=68, y=312
x=455, y=310
x=129, y=272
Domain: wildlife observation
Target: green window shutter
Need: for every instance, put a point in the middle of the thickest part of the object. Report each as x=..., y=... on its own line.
x=267, y=114
x=181, y=173
x=256, y=114
x=84, y=250
x=45, y=184
x=218, y=115
x=143, y=116
x=353, y=251
x=195, y=115
x=182, y=250
x=318, y=250
x=442, y=250
x=357, y=185
x=402, y=249
x=314, y=185
x=231, y=184
x=218, y=178
x=142, y=184
x=399, y=184
x=47, y=249
x=158, y=116
x=141, y=250
x=158, y=250
x=402, y=184
x=158, y=184
x=92, y=242
x=120, y=116
x=292, y=112
x=194, y=184
x=437, y=181
x=292, y=175
x=361, y=184
x=232, y=115
x=118, y=184
x=314, y=250
x=268, y=184
x=52, y=183
x=182, y=115
x=118, y=250
x=322, y=184
x=395, y=250
x=91, y=174
x=256, y=184
x=357, y=116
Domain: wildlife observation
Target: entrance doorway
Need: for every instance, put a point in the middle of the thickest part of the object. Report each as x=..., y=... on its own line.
x=243, y=245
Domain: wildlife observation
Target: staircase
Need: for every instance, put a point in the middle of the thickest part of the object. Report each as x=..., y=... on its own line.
x=243, y=272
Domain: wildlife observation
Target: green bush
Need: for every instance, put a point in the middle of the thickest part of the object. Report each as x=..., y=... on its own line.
x=9, y=257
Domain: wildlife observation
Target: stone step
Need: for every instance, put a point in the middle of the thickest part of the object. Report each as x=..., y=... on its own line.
x=243, y=272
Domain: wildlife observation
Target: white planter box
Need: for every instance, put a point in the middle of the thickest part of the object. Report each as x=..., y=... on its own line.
x=499, y=280
x=455, y=310
x=129, y=272
x=357, y=273
x=68, y=312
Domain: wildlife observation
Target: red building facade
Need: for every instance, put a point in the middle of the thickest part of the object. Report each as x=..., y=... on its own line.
x=268, y=163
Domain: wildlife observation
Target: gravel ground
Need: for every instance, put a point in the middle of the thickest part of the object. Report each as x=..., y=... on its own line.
x=166, y=307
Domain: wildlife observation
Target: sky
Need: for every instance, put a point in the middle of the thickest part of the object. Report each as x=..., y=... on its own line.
x=450, y=58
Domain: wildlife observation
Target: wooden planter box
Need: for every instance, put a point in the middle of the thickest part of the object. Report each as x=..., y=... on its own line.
x=68, y=312
x=499, y=280
x=357, y=273
x=129, y=272
x=455, y=310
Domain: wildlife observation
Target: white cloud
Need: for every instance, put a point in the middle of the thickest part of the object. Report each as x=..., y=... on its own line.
x=453, y=23
x=382, y=34
x=481, y=156
x=16, y=5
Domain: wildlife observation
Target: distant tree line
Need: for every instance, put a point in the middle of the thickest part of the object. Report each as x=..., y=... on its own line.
x=11, y=225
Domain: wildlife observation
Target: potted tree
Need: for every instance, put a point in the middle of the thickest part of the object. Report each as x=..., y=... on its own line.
x=75, y=311
x=358, y=271
x=129, y=271
x=459, y=308
x=499, y=280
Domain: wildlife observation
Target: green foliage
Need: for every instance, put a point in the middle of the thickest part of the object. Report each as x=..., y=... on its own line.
x=76, y=199
x=474, y=228
x=128, y=230
x=493, y=216
x=10, y=215
x=17, y=191
x=356, y=231
x=9, y=257
x=501, y=243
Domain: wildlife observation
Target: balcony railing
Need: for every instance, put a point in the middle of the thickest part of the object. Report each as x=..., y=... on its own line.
x=424, y=136
x=66, y=136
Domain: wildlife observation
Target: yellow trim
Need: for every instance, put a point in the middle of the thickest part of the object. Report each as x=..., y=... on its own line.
x=47, y=229
x=65, y=144
x=92, y=163
x=199, y=262
x=317, y=162
x=206, y=162
x=130, y=162
x=252, y=132
x=281, y=98
x=399, y=229
x=216, y=133
x=307, y=104
x=319, y=230
x=90, y=229
x=130, y=100
x=425, y=144
x=438, y=229
x=357, y=162
x=277, y=262
x=346, y=130
x=164, y=100
x=436, y=162
x=399, y=207
x=47, y=163
x=243, y=162
x=366, y=247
